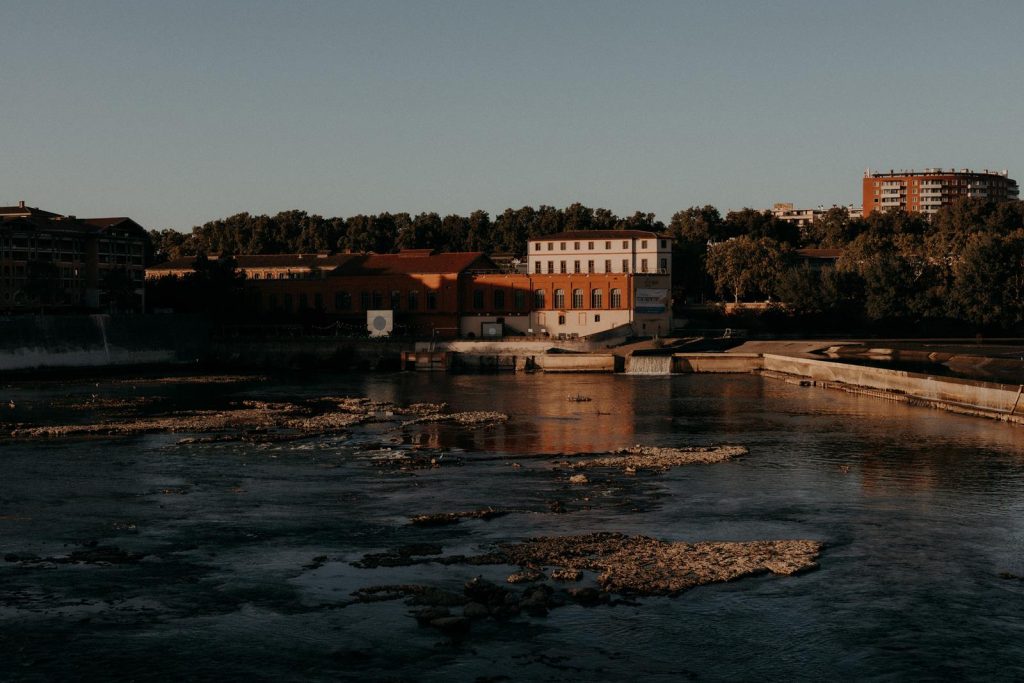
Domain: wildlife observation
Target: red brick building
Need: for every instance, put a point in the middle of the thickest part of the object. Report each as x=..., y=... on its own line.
x=426, y=291
x=928, y=190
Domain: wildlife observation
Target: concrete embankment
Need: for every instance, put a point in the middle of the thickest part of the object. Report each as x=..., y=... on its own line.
x=970, y=397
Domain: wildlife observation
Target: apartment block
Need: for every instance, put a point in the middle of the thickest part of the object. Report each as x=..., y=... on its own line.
x=928, y=190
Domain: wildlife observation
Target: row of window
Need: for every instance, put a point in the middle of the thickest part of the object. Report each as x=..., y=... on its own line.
x=596, y=298
x=591, y=245
x=289, y=275
x=577, y=266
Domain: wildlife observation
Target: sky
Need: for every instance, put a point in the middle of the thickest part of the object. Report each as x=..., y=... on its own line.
x=177, y=113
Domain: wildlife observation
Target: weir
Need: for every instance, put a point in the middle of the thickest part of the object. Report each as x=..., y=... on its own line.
x=649, y=365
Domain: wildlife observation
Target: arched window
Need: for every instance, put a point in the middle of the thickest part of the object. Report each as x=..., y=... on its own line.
x=378, y=300
x=596, y=298
x=577, y=298
x=342, y=301
x=559, y=298
x=616, y=298
x=538, y=298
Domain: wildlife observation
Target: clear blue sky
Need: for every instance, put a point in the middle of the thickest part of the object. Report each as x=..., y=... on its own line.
x=177, y=112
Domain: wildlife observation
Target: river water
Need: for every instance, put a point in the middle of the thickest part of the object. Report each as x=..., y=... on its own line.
x=920, y=511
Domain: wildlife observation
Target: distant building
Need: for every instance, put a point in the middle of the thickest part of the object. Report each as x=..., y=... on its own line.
x=928, y=190
x=427, y=291
x=51, y=260
x=590, y=281
x=785, y=211
x=610, y=280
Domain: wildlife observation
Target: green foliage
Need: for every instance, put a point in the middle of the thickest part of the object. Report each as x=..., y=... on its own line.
x=744, y=267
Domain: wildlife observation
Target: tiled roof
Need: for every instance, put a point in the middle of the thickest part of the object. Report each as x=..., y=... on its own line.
x=600, y=235
x=122, y=222
x=19, y=211
x=250, y=261
x=811, y=252
x=420, y=262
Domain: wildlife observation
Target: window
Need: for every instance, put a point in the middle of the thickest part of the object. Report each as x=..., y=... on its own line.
x=378, y=299
x=643, y=265
x=561, y=320
x=607, y=245
x=478, y=298
x=590, y=266
x=364, y=300
x=577, y=298
x=596, y=298
x=561, y=267
x=562, y=246
x=616, y=298
x=499, y=299
x=608, y=265
x=539, y=246
x=396, y=299
x=590, y=246
x=431, y=300
x=664, y=244
x=575, y=266
x=520, y=299
x=597, y=318
x=551, y=267
x=318, y=301
x=643, y=244
x=559, y=298
x=664, y=265
x=551, y=246
x=625, y=265
x=536, y=267
x=576, y=246
x=538, y=298
x=625, y=244
x=414, y=300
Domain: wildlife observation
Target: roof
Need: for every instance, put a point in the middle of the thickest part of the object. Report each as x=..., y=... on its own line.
x=22, y=211
x=250, y=261
x=811, y=252
x=415, y=261
x=406, y=262
x=599, y=235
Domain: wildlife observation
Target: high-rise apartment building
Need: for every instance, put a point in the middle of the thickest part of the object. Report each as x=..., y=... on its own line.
x=928, y=190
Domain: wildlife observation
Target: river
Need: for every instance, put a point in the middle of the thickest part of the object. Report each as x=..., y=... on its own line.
x=248, y=548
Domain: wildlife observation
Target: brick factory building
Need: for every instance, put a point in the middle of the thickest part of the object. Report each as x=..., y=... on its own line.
x=604, y=280
x=928, y=190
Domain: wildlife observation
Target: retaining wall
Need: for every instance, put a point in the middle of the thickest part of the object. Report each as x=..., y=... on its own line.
x=716, y=362
x=971, y=394
x=50, y=341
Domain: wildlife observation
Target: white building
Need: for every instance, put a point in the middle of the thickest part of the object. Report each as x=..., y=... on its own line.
x=591, y=281
x=601, y=251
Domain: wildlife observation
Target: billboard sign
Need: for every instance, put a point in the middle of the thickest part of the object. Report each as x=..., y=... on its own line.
x=651, y=300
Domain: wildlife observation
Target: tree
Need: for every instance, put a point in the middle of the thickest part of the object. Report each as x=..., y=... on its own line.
x=757, y=224
x=742, y=266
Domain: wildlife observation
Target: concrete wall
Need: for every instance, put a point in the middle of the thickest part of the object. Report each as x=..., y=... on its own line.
x=567, y=362
x=716, y=362
x=984, y=395
x=45, y=341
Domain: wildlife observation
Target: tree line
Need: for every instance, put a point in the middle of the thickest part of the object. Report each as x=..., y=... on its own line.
x=963, y=265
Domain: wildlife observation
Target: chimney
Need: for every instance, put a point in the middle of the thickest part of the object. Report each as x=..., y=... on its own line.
x=21, y=204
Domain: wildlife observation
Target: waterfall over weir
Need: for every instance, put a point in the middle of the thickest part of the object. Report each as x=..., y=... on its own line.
x=648, y=365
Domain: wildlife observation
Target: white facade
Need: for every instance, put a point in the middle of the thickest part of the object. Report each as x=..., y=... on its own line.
x=600, y=251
